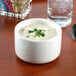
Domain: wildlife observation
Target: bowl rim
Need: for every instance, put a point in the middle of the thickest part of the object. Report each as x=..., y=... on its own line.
x=43, y=19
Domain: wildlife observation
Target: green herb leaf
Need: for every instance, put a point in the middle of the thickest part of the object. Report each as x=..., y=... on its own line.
x=38, y=33
x=35, y=29
x=30, y=31
x=42, y=34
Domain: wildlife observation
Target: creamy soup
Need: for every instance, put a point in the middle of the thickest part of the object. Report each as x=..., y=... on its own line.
x=38, y=31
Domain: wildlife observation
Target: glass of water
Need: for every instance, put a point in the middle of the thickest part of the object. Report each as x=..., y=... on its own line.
x=60, y=11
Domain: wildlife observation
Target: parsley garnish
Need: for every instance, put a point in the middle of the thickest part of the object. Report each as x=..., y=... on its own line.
x=38, y=33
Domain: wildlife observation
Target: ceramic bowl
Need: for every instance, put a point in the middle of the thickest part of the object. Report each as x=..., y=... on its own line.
x=37, y=51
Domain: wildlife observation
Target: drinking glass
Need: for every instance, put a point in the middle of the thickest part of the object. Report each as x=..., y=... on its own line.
x=60, y=11
x=15, y=8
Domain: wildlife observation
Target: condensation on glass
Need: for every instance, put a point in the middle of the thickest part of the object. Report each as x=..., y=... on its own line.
x=60, y=11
